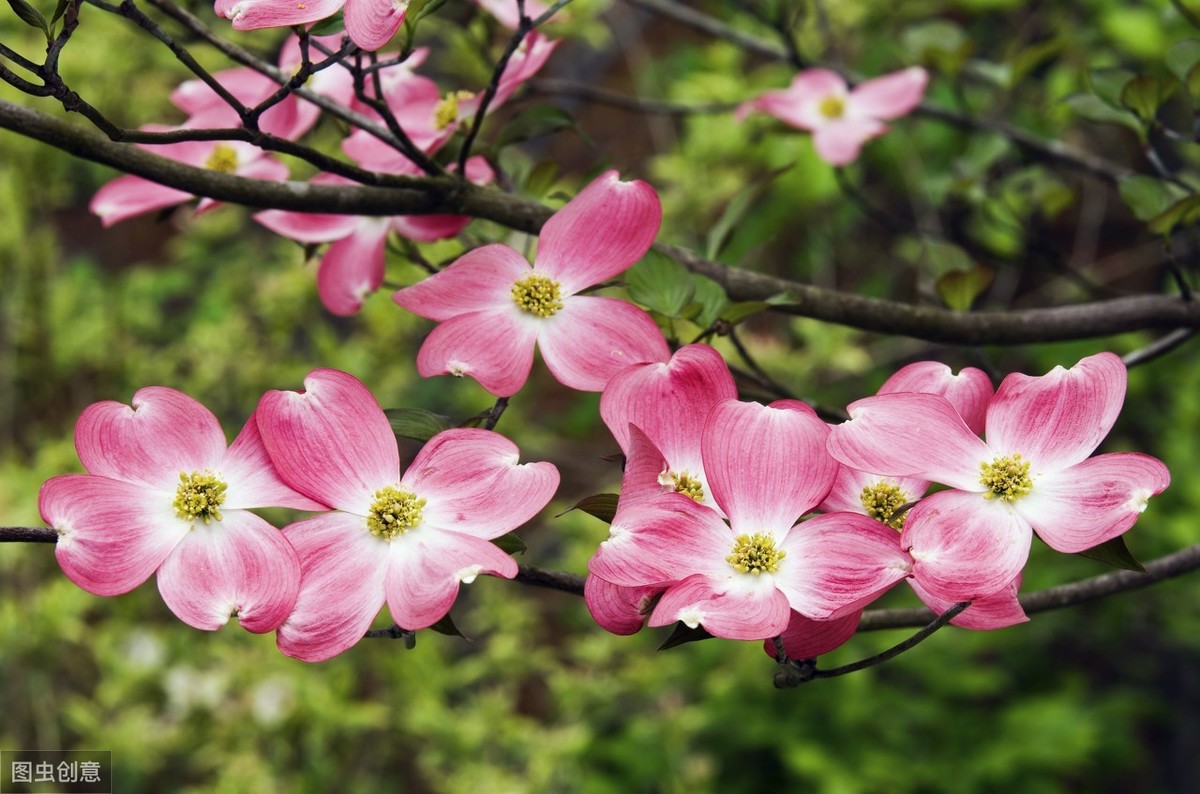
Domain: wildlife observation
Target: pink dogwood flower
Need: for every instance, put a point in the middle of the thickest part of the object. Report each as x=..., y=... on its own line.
x=494, y=309
x=408, y=539
x=767, y=466
x=505, y=11
x=353, y=267
x=842, y=119
x=127, y=196
x=163, y=493
x=369, y=23
x=882, y=497
x=1034, y=473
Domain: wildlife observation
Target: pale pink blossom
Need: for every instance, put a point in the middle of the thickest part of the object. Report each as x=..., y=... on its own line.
x=164, y=494
x=408, y=539
x=842, y=119
x=1034, y=473
x=353, y=267
x=369, y=23
x=494, y=309
x=767, y=466
x=505, y=11
x=128, y=196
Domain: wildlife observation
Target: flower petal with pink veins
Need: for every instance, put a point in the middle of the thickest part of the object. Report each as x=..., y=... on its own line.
x=599, y=233
x=659, y=541
x=668, y=400
x=805, y=638
x=965, y=546
x=591, y=339
x=479, y=279
x=111, y=535
x=342, y=571
x=164, y=434
x=427, y=566
x=372, y=23
x=969, y=391
x=127, y=196
x=767, y=465
x=735, y=614
x=890, y=96
x=352, y=268
x=494, y=347
x=331, y=442
x=838, y=563
x=997, y=611
x=616, y=609
x=240, y=565
x=907, y=435
x=1058, y=419
x=644, y=464
x=252, y=479
x=427, y=228
x=847, y=491
x=840, y=141
x=474, y=485
x=799, y=104
x=257, y=14
x=1094, y=501
x=307, y=227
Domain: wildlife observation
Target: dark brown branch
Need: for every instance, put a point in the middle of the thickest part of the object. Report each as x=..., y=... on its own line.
x=551, y=580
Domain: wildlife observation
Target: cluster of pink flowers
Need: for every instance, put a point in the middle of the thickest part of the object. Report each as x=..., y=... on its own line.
x=711, y=529
x=163, y=494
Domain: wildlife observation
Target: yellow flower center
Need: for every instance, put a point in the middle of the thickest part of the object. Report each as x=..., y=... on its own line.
x=832, y=107
x=223, y=158
x=755, y=554
x=882, y=500
x=688, y=485
x=445, y=112
x=199, y=496
x=537, y=294
x=1006, y=477
x=393, y=512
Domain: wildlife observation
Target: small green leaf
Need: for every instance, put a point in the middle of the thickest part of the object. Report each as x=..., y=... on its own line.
x=1182, y=57
x=660, y=283
x=1107, y=84
x=602, y=505
x=1145, y=94
x=683, y=635
x=710, y=297
x=328, y=27
x=59, y=10
x=1092, y=108
x=1115, y=553
x=446, y=626
x=416, y=423
x=30, y=16
x=510, y=543
x=736, y=210
x=419, y=9
x=541, y=178
x=1146, y=196
x=1183, y=212
x=735, y=313
x=535, y=122
x=959, y=289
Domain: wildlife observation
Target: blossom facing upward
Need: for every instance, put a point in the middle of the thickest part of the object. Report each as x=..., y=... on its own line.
x=164, y=494
x=494, y=309
x=1033, y=473
x=408, y=539
x=842, y=119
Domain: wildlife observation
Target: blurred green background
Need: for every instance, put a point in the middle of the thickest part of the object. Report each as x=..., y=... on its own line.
x=1104, y=697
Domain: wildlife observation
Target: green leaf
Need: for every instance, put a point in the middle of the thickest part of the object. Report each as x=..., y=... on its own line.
x=1092, y=108
x=1146, y=196
x=1182, y=57
x=940, y=43
x=683, y=635
x=541, y=178
x=735, y=313
x=1030, y=58
x=710, y=297
x=446, y=626
x=736, y=210
x=602, y=505
x=1116, y=554
x=419, y=9
x=1183, y=212
x=959, y=289
x=1144, y=95
x=1107, y=84
x=330, y=26
x=59, y=10
x=535, y=122
x=660, y=283
x=510, y=543
x=416, y=423
x=30, y=16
